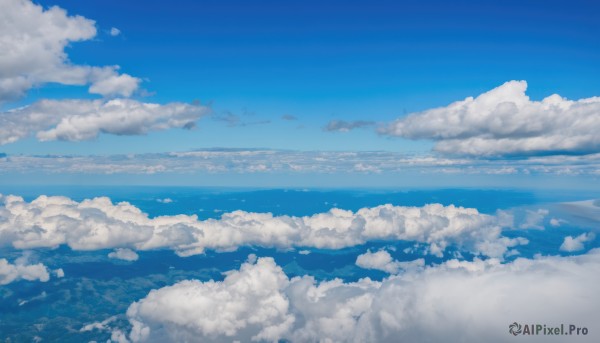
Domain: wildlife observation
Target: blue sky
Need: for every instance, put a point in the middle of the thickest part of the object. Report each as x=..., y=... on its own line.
x=316, y=62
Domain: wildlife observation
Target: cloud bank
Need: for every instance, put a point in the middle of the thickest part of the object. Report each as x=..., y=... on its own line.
x=504, y=121
x=455, y=301
x=33, y=41
x=92, y=224
x=77, y=120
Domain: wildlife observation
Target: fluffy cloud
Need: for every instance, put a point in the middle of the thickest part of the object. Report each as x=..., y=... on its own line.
x=124, y=254
x=504, y=121
x=100, y=224
x=21, y=270
x=382, y=260
x=455, y=301
x=247, y=305
x=571, y=244
x=76, y=120
x=33, y=41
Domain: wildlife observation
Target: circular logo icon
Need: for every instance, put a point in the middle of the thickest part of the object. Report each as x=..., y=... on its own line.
x=514, y=328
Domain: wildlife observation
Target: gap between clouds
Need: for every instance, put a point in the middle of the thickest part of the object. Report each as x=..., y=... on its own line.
x=93, y=224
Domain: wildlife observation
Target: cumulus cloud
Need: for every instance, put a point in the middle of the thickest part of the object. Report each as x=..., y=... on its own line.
x=345, y=126
x=76, y=120
x=50, y=221
x=247, y=305
x=382, y=260
x=504, y=121
x=571, y=244
x=33, y=41
x=455, y=301
x=20, y=270
x=124, y=254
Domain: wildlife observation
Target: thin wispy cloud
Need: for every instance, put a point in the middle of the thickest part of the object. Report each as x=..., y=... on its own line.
x=293, y=162
x=289, y=117
x=346, y=126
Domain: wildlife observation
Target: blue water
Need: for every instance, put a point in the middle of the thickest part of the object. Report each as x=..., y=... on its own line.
x=96, y=287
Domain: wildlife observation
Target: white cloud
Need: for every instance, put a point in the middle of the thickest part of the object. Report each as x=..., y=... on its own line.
x=247, y=305
x=534, y=219
x=50, y=221
x=455, y=301
x=100, y=326
x=33, y=41
x=571, y=244
x=382, y=260
x=60, y=273
x=124, y=254
x=21, y=270
x=165, y=200
x=114, y=31
x=76, y=120
x=504, y=121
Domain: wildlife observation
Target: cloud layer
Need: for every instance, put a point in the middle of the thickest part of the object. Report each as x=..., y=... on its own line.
x=51, y=221
x=504, y=121
x=76, y=120
x=247, y=161
x=33, y=41
x=454, y=301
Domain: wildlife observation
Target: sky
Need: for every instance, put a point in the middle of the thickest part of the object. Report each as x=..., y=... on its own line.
x=304, y=76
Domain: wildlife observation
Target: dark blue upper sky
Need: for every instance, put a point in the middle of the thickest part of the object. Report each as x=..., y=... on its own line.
x=320, y=50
